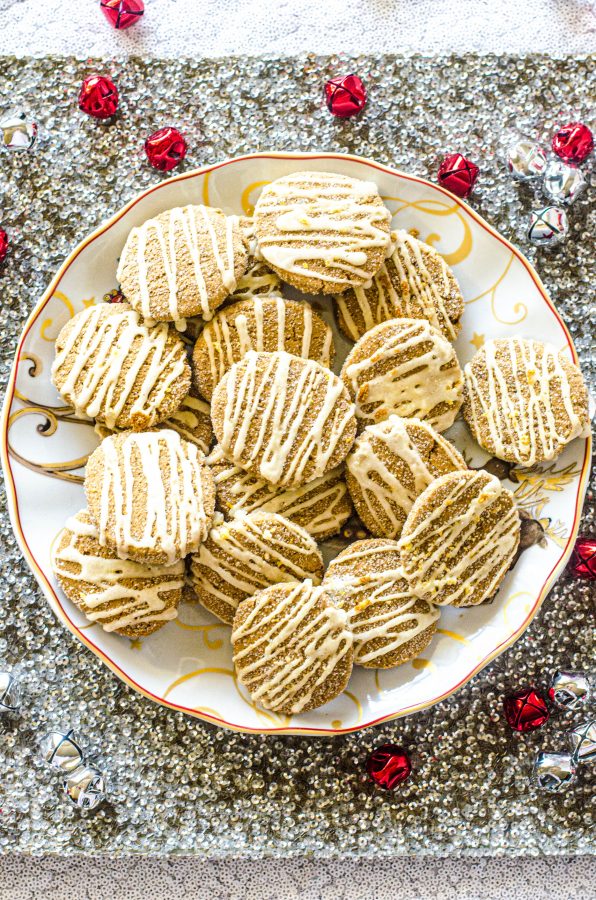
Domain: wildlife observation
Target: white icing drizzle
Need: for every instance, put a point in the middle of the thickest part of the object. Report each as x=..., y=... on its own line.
x=381, y=487
x=511, y=398
x=248, y=556
x=403, y=287
x=379, y=604
x=174, y=519
x=96, y=380
x=193, y=227
x=103, y=595
x=298, y=643
x=411, y=388
x=320, y=507
x=258, y=280
x=322, y=218
x=297, y=433
x=434, y=556
x=192, y=421
x=229, y=337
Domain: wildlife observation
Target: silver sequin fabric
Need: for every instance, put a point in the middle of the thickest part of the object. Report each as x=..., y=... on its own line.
x=178, y=786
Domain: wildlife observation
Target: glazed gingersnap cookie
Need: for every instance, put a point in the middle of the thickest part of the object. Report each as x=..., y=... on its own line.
x=460, y=538
x=184, y=262
x=321, y=232
x=247, y=554
x=414, y=283
x=131, y=598
x=406, y=367
x=292, y=647
x=524, y=400
x=258, y=280
x=262, y=323
x=321, y=507
x=390, y=464
x=112, y=367
x=192, y=421
x=391, y=625
x=285, y=419
x=151, y=495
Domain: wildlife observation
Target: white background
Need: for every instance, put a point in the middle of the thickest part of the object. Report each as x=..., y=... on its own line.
x=217, y=27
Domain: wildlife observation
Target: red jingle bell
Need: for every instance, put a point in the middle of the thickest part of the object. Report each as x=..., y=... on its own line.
x=458, y=175
x=345, y=96
x=525, y=710
x=573, y=142
x=583, y=559
x=3, y=244
x=122, y=14
x=98, y=97
x=165, y=149
x=388, y=766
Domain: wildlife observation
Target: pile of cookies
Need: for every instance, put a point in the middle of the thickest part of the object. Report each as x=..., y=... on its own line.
x=236, y=526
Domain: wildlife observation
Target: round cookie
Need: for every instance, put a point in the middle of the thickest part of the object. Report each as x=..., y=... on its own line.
x=292, y=647
x=414, y=283
x=262, y=323
x=114, y=368
x=151, y=495
x=391, y=625
x=248, y=554
x=184, y=262
x=321, y=507
x=460, y=538
x=390, y=464
x=406, y=367
x=322, y=232
x=131, y=598
x=192, y=421
x=524, y=400
x=287, y=420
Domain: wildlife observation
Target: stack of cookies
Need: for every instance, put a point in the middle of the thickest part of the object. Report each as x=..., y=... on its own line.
x=222, y=470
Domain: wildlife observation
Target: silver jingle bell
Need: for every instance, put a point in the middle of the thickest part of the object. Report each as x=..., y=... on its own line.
x=86, y=786
x=17, y=132
x=548, y=226
x=563, y=183
x=526, y=160
x=554, y=771
x=569, y=690
x=10, y=693
x=61, y=750
x=583, y=742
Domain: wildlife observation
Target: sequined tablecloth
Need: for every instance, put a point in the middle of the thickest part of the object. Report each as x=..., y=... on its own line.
x=181, y=786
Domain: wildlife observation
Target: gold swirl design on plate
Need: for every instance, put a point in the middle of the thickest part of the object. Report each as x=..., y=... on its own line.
x=206, y=189
x=510, y=600
x=204, y=630
x=520, y=310
x=52, y=416
x=356, y=702
x=439, y=208
x=248, y=208
x=423, y=664
x=47, y=323
x=278, y=721
x=454, y=635
x=338, y=723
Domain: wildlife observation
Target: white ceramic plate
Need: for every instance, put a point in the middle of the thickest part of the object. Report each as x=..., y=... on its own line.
x=188, y=664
